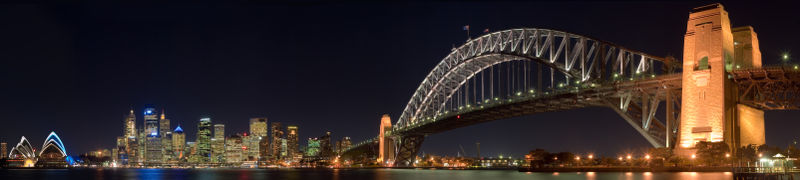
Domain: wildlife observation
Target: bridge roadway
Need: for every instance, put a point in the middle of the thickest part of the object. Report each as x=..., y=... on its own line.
x=767, y=88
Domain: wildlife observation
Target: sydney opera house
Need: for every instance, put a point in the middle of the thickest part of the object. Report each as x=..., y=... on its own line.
x=51, y=155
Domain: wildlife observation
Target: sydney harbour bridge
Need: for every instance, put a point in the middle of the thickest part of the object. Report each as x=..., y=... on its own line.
x=717, y=92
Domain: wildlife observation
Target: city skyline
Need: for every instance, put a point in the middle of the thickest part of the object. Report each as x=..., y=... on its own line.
x=203, y=78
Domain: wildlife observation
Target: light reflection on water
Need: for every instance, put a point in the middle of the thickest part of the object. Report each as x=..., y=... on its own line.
x=345, y=174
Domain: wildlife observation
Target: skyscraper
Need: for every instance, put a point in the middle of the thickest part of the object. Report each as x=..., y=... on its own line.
x=233, y=149
x=277, y=135
x=204, y=140
x=218, y=144
x=130, y=125
x=291, y=141
x=258, y=127
x=153, y=138
x=326, y=148
x=166, y=137
x=131, y=143
x=122, y=153
x=3, y=150
x=178, y=143
x=313, y=147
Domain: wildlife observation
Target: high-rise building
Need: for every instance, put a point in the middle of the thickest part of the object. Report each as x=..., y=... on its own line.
x=166, y=137
x=258, y=127
x=204, y=140
x=342, y=145
x=346, y=143
x=130, y=125
x=178, y=144
x=284, y=151
x=233, y=149
x=218, y=144
x=291, y=141
x=326, y=148
x=153, y=138
x=121, y=156
x=131, y=143
x=251, y=142
x=277, y=135
x=3, y=150
x=313, y=147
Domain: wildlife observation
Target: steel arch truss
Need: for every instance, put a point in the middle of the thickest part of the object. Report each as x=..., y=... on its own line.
x=769, y=88
x=574, y=56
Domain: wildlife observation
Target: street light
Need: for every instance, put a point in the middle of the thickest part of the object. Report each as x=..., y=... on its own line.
x=647, y=157
x=694, y=156
x=591, y=156
x=727, y=155
x=629, y=157
x=760, y=154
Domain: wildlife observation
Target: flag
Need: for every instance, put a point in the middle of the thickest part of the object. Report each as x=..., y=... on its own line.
x=466, y=28
x=486, y=30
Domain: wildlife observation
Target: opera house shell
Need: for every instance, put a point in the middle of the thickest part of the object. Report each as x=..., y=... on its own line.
x=52, y=154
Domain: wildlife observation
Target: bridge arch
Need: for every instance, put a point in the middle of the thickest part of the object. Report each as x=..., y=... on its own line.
x=575, y=57
x=613, y=76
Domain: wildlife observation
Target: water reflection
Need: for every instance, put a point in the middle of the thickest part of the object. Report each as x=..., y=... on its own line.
x=344, y=174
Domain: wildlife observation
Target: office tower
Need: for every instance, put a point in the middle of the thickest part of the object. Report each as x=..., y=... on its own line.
x=121, y=155
x=345, y=143
x=233, y=149
x=258, y=127
x=153, y=138
x=178, y=143
x=218, y=144
x=130, y=125
x=251, y=142
x=326, y=148
x=3, y=150
x=291, y=141
x=277, y=135
x=166, y=137
x=313, y=147
x=204, y=140
x=283, y=149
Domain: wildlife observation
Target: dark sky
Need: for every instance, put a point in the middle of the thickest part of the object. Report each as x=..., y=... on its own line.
x=77, y=68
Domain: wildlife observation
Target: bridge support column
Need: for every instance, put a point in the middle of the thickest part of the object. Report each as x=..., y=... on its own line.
x=407, y=149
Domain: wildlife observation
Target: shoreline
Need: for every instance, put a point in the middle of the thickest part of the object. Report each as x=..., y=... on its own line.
x=629, y=169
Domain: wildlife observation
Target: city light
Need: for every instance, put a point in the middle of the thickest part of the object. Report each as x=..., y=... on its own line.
x=647, y=157
x=694, y=156
x=628, y=157
x=727, y=155
x=591, y=156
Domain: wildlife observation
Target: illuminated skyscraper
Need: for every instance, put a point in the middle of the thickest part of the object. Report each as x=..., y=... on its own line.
x=121, y=156
x=326, y=148
x=313, y=147
x=218, y=144
x=258, y=127
x=130, y=125
x=204, y=140
x=3, y=150
x=178, y=144
x=291, y=141
x=233, y=149
x=153, y=149
x=277, y=135
x=166, y=137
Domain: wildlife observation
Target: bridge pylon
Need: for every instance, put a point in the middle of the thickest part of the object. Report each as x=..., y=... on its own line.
x=709, y=100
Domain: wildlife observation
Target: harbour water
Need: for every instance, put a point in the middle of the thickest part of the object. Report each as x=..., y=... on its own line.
x=341, y=174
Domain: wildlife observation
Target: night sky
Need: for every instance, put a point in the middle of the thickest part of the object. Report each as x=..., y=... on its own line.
x=78, y=68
